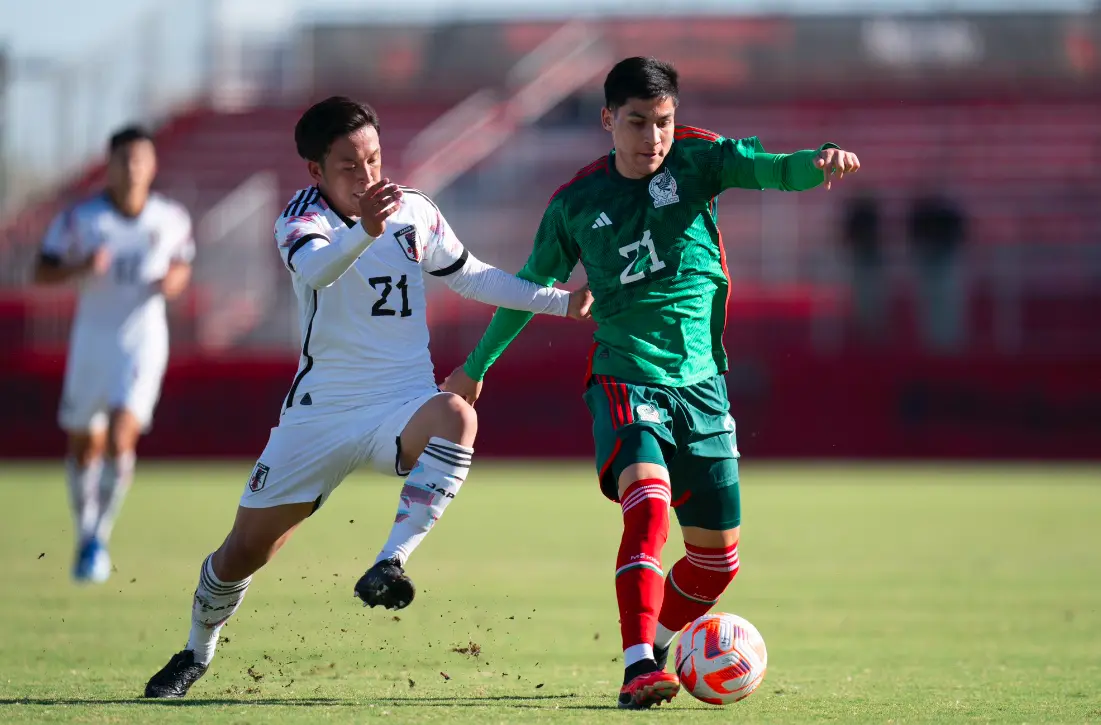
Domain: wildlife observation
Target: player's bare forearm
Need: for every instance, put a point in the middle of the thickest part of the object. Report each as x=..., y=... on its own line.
x=175, y=281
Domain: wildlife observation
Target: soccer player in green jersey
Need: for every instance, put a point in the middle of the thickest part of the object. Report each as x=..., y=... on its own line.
x=642, y=220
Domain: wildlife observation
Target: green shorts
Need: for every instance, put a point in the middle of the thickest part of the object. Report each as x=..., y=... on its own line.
x=687, y=430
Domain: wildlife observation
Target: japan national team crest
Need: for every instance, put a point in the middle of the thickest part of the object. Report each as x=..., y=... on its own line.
x=663, y=188
x=258, y=478
x=407, y=238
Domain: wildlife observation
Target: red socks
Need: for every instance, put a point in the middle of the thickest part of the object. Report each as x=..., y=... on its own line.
x=638, y=582
x=695, y=583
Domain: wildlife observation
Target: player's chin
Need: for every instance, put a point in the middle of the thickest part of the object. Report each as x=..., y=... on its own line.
x=650, y=163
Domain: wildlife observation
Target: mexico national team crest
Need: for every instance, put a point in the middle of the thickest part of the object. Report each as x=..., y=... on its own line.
x=258, y=478
x=407, y=238
x=663, y=188
x=648, y=413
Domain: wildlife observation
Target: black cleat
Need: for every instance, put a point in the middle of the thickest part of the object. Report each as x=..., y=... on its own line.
x=177, y=677
x=385, y=584
x=661, y=655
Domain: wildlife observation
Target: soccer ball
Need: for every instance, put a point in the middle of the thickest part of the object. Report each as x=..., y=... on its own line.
x=721, y=658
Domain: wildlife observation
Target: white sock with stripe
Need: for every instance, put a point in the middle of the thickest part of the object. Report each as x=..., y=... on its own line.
x=214, y=603
x=433, y=483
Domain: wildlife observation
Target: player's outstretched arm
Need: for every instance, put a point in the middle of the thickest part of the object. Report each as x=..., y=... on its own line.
x=746, y=165
x=502, y=330
x=466, y=380
x=806, y=169
x=479, y=281
x=552, y=259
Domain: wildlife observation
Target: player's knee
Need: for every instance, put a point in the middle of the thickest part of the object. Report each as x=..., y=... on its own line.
x=122, y=434
x=256, y=536
x=86, y=448
x=118, y=445
x=245, y=551
x=457, y=420
x=242, y=554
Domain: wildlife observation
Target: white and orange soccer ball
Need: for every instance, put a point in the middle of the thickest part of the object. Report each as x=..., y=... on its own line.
x=721, y=658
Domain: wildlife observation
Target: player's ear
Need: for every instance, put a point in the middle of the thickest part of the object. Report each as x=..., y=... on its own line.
x=314, y=169
x=607, y=118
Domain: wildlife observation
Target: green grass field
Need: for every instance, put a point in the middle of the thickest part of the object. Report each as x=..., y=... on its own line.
x=885, y=594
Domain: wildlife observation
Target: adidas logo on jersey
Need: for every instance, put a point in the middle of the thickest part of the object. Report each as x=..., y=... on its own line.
x=602, y=221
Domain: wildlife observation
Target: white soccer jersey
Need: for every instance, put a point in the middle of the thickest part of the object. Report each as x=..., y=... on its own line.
x=362, y=303
x=122, y=305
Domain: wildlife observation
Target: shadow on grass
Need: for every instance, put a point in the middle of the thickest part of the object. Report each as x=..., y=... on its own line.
x=541, y=702
x=195, y=702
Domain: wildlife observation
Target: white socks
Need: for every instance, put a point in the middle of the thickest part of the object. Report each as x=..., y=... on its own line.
x=637, y=653
x=118, y=474
x=96, y=492
x=433, y=483
x=664, y=637
x=84, y=495
x=215, y=602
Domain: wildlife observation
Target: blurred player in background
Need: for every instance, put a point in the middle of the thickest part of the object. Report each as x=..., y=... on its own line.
x=357, y=247
x=129, y=251
x=642, y=220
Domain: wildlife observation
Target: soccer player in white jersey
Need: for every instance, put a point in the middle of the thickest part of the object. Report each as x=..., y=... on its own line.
x=356, y=247
x=129, y=251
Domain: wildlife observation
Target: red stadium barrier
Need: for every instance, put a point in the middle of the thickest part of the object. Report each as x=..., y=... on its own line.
x=787, y=404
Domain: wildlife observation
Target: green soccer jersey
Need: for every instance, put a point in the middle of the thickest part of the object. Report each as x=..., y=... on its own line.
x=653, y=256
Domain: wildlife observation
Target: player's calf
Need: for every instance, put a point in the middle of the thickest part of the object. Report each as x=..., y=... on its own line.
x=214, y=602
x=433, y=483
x=224, y=578
x=436, y=446
x=83, y=472
x=638, y=581
x=692, y=588
x=123, y=432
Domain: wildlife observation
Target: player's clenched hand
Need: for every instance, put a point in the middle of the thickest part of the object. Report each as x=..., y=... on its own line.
x=377, y=204
x=581, y=301
x=835, y=163
x=461, y=384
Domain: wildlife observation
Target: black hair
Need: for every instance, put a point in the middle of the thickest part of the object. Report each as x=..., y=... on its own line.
x=128, y=135
x=328, y=120
x=643, y=78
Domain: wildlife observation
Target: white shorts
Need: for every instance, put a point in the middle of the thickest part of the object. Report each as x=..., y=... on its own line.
x=305, y=460
x=98, y=382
